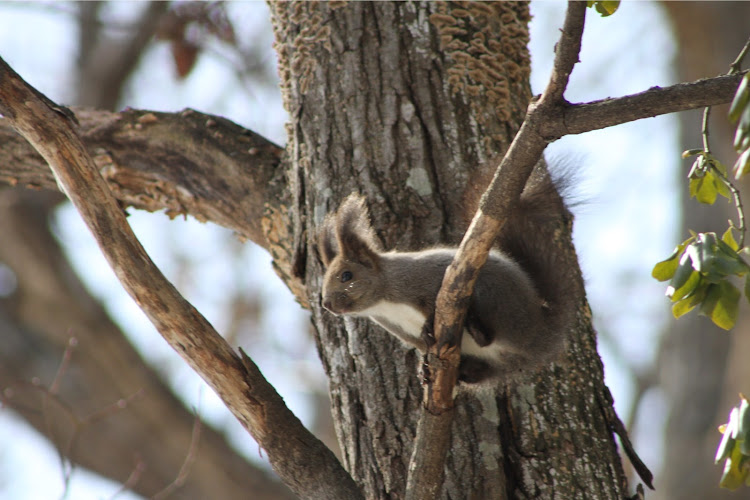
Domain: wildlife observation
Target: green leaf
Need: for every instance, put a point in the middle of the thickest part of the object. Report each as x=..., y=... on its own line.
x=728, y=238
x=721, y=304
x=744, y=427
x=727, y=441
x=682, y=307
x=734, y=474
x=721, y=187
x=704, y=255
x=681, y=275
x=690, y=301
x=728, y=260
x=604, y=7
x=728, y=265
x=704, y=189
x=687, y=288
x=742, y=166
x=665, y=269
x=743, y=416
x=719, y=166
x=691, y=152
x=741, y=99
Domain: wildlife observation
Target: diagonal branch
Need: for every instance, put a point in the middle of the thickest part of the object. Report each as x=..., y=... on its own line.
x=301, y=460
x=432, y=440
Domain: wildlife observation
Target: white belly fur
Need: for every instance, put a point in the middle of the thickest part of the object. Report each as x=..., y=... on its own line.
x=406, y=317
x=411, y=320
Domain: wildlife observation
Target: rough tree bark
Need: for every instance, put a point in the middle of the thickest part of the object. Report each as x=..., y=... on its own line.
x=406, y=103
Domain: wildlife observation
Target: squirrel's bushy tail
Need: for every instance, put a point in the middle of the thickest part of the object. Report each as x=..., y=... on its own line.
x=531, y=236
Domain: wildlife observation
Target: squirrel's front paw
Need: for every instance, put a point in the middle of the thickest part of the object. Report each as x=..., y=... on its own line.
x=428, y=335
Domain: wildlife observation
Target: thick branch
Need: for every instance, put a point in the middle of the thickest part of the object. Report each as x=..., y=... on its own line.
x=460, y=277
x=176, y=162
x=186, y=163
x=301, y=460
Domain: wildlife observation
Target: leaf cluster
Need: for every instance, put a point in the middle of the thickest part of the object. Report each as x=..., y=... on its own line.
x=708, y=177
x=735, y=447
x=700, y=269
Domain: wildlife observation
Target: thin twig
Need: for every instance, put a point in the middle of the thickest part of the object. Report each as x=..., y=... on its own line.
x=704, y=129
x=132, y=480
x=64, y=364
x=736, y=65
x=737, y=202
x=190, y=457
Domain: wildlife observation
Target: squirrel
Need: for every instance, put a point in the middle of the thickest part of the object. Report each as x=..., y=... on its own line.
x=523, y=304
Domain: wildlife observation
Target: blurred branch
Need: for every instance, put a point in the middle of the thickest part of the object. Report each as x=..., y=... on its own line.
x=105, y=63
x=301, y=460
x=104, y=367
x=186, y=465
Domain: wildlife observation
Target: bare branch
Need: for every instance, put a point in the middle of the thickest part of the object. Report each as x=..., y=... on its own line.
x=179, y=481
x=301, y=460
x=595, y=115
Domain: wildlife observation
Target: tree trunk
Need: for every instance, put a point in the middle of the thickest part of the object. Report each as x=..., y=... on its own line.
x=406, y=103
x=701, y=367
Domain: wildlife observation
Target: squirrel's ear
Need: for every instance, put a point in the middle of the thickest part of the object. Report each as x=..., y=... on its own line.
x=327, y=245
x=356, y=238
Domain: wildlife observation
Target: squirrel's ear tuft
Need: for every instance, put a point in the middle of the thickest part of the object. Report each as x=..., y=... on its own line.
x=327, y=244
x=356, y=238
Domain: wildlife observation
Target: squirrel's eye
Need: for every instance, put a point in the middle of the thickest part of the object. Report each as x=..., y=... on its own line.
x=346, y=276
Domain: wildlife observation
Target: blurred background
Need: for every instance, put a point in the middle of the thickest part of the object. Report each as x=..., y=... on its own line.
x=673, y=382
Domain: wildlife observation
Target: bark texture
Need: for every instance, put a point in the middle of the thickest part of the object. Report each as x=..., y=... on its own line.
x=406, y=103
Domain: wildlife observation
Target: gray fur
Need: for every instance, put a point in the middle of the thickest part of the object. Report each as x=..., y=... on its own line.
x=513, y=327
